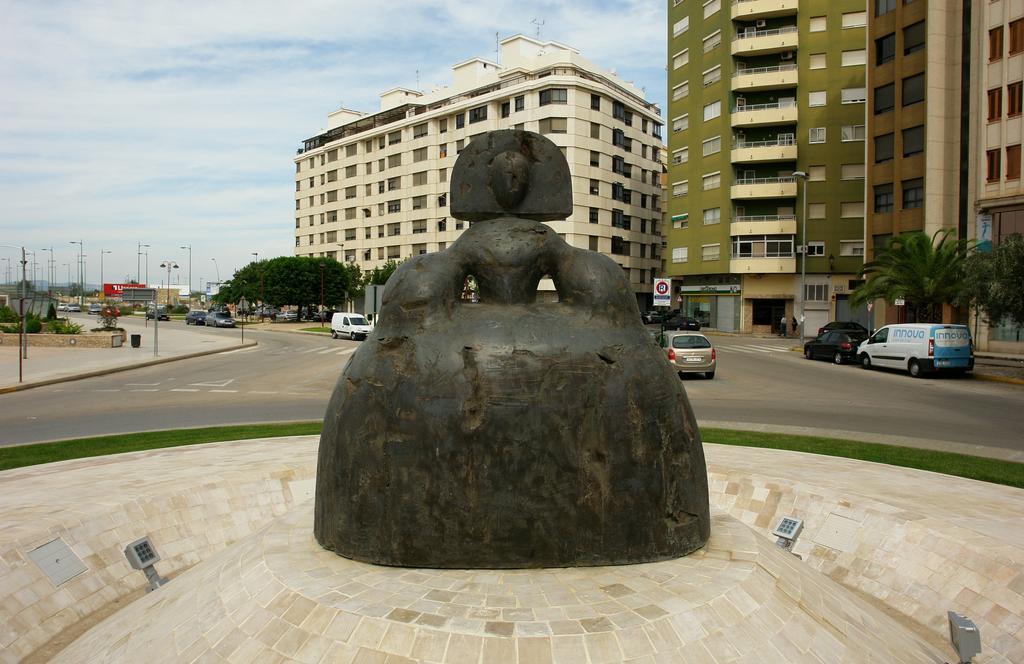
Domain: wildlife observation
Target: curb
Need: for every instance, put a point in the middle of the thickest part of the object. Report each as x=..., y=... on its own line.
x=998, y=379
x=127, y=367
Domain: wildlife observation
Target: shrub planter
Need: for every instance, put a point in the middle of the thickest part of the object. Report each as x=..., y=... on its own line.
x=84, y=340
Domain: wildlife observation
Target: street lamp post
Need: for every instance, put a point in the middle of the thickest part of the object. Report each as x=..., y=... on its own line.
x=103, y=251
x=803, y=257
x=81, y=289
x=138, y=262
x=7, y=269
x=256, y=259
x=156, y=305
x=49, y=280
x=321, y=314
x=189, y=247
x=217, y=268
x=23, y=337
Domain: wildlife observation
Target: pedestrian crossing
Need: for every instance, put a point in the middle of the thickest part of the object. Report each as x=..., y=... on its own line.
x=753, y=349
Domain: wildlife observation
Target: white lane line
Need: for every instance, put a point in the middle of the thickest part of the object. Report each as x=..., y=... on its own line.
x=770, y=349
x=141, y=384
x=347, y=351
x=261, y=392
x=325, y=351
x=184, y=389
x=103, y=390
x=736, y=349
x=151, y=389
x=242, y=350
x=224, y=391
x=212, y=383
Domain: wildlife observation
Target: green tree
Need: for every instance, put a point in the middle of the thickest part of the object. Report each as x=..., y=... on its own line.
x=292, y=280
x=926, y=271
x=380, y=275
x=993, y=280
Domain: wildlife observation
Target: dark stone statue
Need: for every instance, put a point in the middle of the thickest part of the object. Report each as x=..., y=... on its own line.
x=510, y=433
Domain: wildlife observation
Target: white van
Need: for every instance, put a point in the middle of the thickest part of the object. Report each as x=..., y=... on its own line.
x=352, y=326
x=919, y=348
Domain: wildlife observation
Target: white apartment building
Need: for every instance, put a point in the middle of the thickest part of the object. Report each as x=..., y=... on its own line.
x=374, y=187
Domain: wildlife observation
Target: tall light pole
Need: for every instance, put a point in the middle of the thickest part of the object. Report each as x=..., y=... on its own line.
x=189, y=247
x=215, y=267
x=49, y=281
x=256, y=259
x=81, y=292
x=7, y=269
x=138, y=262
x=801, y=175
x=103, y=251
x=156, y=304
x=68, y=266
x=23, y=338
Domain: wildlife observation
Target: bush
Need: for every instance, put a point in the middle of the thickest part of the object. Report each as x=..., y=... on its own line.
x=7, y=315
x=33, y=325
x=51, y=312
x=179, y=309
x=63, y=326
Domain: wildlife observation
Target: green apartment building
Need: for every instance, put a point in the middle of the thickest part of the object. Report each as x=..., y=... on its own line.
x=758, y=90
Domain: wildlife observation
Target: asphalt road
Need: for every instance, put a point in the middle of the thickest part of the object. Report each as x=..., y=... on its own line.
x=290, y=377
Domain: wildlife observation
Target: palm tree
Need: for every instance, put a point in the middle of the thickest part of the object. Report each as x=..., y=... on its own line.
x=926, y=272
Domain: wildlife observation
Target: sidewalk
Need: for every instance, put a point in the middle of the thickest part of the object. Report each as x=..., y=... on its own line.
x=47, y=365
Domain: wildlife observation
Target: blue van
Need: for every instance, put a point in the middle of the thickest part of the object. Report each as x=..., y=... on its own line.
x=919, y=348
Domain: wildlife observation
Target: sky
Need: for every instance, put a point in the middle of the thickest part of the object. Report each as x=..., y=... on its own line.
x=176, y=123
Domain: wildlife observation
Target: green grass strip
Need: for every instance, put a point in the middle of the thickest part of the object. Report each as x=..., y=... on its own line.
x=321, y=330
x=77, y=448
x=962, y=465
x=996, y=471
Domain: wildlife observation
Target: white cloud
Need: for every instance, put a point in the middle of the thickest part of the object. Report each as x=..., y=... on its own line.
x=175, y=123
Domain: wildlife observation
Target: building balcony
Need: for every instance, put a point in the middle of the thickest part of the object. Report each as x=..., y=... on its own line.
x=753, y=188
x=762, y=115
x=764, y=78
x=755, y=152
x=763, y=265
x=750, y=9
x=762, y=42
x=772, y=224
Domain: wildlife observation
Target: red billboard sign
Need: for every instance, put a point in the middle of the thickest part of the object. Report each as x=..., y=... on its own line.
x=114, y=290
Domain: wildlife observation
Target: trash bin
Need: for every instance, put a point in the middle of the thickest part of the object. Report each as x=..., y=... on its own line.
x=136, y=340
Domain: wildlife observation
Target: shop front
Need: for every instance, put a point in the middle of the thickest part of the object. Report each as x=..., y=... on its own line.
x=715, y=306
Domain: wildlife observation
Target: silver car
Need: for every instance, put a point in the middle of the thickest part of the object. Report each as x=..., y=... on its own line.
x=690, y=352
x=219, y=319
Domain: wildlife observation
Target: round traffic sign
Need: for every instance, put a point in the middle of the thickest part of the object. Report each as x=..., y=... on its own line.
x=661, y=288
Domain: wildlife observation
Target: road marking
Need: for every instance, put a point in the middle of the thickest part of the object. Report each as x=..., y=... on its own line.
x=308, y=350
x=243, y=350
x=325, y=351
x=261, y=392
x=141, y=384
x=224, y=391
x=151, y=389
x=770, y=349
x=346, y=351
x=219, y=383
x=102, y=390
x=184, y=389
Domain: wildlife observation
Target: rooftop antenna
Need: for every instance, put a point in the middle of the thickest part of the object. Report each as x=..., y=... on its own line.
x=497, y=47
x=537, y=23
x=417, y=79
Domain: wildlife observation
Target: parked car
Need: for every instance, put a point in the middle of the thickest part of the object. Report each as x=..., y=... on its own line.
x=219, y=319
x=680, y=322
x=352, y=326
x=840, y=346
x=95, y=308
x=62, y=307
x=74, y=307
x=919, y=348
x=321, y=316
x=690, y=352
x=159, y=314
x=288, y=316
x=649, y=317
x=266, y=312
x=195, y=317
x=842, y=325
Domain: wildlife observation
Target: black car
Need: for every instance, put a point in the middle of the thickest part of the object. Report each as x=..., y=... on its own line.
x=649, y=317
x=678, y=322
x=159, y=314
x=195, y=318
x=840, y=346
x=842, y=325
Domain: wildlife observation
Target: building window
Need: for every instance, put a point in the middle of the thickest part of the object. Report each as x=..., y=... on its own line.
x=851, y=247
x=913, y=140
x=712, y=216
x=995, y=104
x=762, y=246
x=395, y=137
x=418, y=203
x=816, y=135
x=818, y=61
x=595, y=158
x=885, y=49
x=1013, y=162
x=851, y=172
x=992, y=165
x=552, y=126
x=853, y=133
x=713, y=75
x=460, y=121
x=420, y=130
x=816, y=211
x=395, y=206
x=681, y=123
x=913, y=38
x=594, y=215
x=885, y=98
x=620, y=220
x=995, y=44
x=816, y=98
x=712, y=41
x=883, y=7
x=395, y=160
x=419, y=154
x=818, y=24
x=854, y=58
x=681, y=26
x=913, y=89
x=478, y=114
x=680, y=156
x=680, y=254
x=913, y=193
x=681, y=91
x=681, y=58
x=595, y=130
x=711, y=252
x=519, y=102
x=712, y=180
x=419, y=178
x=506, y=109
x=816, y=173
x=594, y=188
x=680, y=188
x=553, y=96
x=815, y=249
x=394, y=183
x=852, y=209
x=855, y=19
x=1016, y=36
x=711, y=6
x=883, y=198
x=1013, y=99
x=854, y=95
x=595, y=102
x=816, y=292
x=712, y=110
x=712, y=146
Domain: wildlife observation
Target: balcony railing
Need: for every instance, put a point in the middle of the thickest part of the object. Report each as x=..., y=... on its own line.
x=763, y=70
x=779, y=180
x=766, y=33
x=779, y=142
x=763, y=217
x=765, y=107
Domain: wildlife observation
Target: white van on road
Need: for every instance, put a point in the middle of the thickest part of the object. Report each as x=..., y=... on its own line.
x=919, y=348
x=351, y=326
